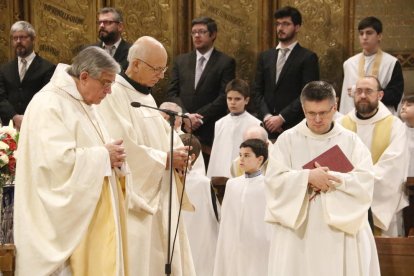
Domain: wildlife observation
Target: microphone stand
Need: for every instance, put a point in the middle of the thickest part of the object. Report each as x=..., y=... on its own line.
x=169, y=260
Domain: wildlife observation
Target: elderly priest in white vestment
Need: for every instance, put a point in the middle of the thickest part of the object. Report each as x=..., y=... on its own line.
x=319, y=216
x=146, y=138
x=69, y=204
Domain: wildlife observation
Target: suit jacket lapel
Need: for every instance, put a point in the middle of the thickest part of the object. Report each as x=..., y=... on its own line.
x=32, y=68
x=15, y=72
x=191, y=68
x=272, y=65
x=120, y=48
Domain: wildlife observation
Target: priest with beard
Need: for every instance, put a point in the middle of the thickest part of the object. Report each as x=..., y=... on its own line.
x=110, y=27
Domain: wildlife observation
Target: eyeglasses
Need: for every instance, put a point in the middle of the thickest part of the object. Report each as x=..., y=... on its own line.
x=20, y=37
x=199, y=32
x=367, y=92
x=322, y=114
x=105, y=83
x=106, y=22
x=158, y=70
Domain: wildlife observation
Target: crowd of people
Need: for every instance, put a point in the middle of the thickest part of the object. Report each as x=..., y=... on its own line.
x=99, y=191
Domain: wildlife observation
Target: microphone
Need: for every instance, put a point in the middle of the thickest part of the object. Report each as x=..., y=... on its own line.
x=169, y=112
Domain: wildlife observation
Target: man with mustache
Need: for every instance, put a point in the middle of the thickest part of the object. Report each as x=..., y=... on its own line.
x=281, y=74
x=385, y=135
x=22, y=77
x=110, y=27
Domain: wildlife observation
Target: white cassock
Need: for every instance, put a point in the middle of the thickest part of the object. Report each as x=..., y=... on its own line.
x=228, y=135
x=410, y=137
x=201, y=225
x=61, y=167
x=146, y=138
x=390, y=172
x=330, y=234
x=351, y=66
x=244, y=236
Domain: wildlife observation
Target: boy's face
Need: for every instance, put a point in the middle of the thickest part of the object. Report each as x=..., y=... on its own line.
x=236, y=102
x=248, y=160
x=407, y=113
x=369, y=39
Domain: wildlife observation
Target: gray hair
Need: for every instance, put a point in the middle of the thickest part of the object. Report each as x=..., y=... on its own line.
x=117, y=13
x=23, y=26
x=316, y=91
x=93, y=60
x=171, y=106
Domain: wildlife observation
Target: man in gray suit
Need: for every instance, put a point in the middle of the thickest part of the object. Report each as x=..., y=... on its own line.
x=23, y=76
x=198, y=80
x=281, y=74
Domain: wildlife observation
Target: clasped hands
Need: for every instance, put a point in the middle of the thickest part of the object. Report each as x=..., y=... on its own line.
x=180, y=158
x=274, y=123
x=117, y=153
x=321, y=181
x=193, y=122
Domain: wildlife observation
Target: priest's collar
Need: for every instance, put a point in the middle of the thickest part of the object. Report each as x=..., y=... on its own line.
x=139, y=87
x=252, y=175
x=332, y=126
x=366, y=118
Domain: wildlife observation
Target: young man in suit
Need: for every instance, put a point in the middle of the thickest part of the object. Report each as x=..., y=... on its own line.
x=281, y=74
x=22, y=77
x=111, y=26
x=198, y=80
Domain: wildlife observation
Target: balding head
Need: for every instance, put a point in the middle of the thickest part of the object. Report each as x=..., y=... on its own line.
x=147, y=61
x=255, y=132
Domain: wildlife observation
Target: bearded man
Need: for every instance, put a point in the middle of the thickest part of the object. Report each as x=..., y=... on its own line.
x=110, y=27
x=281, y=74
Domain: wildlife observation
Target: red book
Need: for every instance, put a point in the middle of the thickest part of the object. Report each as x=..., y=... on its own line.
x=334, y=158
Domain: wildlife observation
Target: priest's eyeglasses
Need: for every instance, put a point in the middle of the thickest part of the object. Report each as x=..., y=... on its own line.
x=155, y=70
x=106, y=83
x=322, y=114
x=367, y=92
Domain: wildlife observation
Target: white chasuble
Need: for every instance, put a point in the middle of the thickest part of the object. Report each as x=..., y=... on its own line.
x=63, y=181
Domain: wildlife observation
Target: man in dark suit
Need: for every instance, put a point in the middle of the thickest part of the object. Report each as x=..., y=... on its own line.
x=281, y=74
x=111, y=26
x=198, y=80
x=22, y=77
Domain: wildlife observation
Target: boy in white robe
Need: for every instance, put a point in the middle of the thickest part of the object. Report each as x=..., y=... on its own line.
x=243, y=243
x=69, y=208
x=407, y=115
x=201, y=225
x=319, y=217
x=385, y=135
x=372, y=62
x=228, y=131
